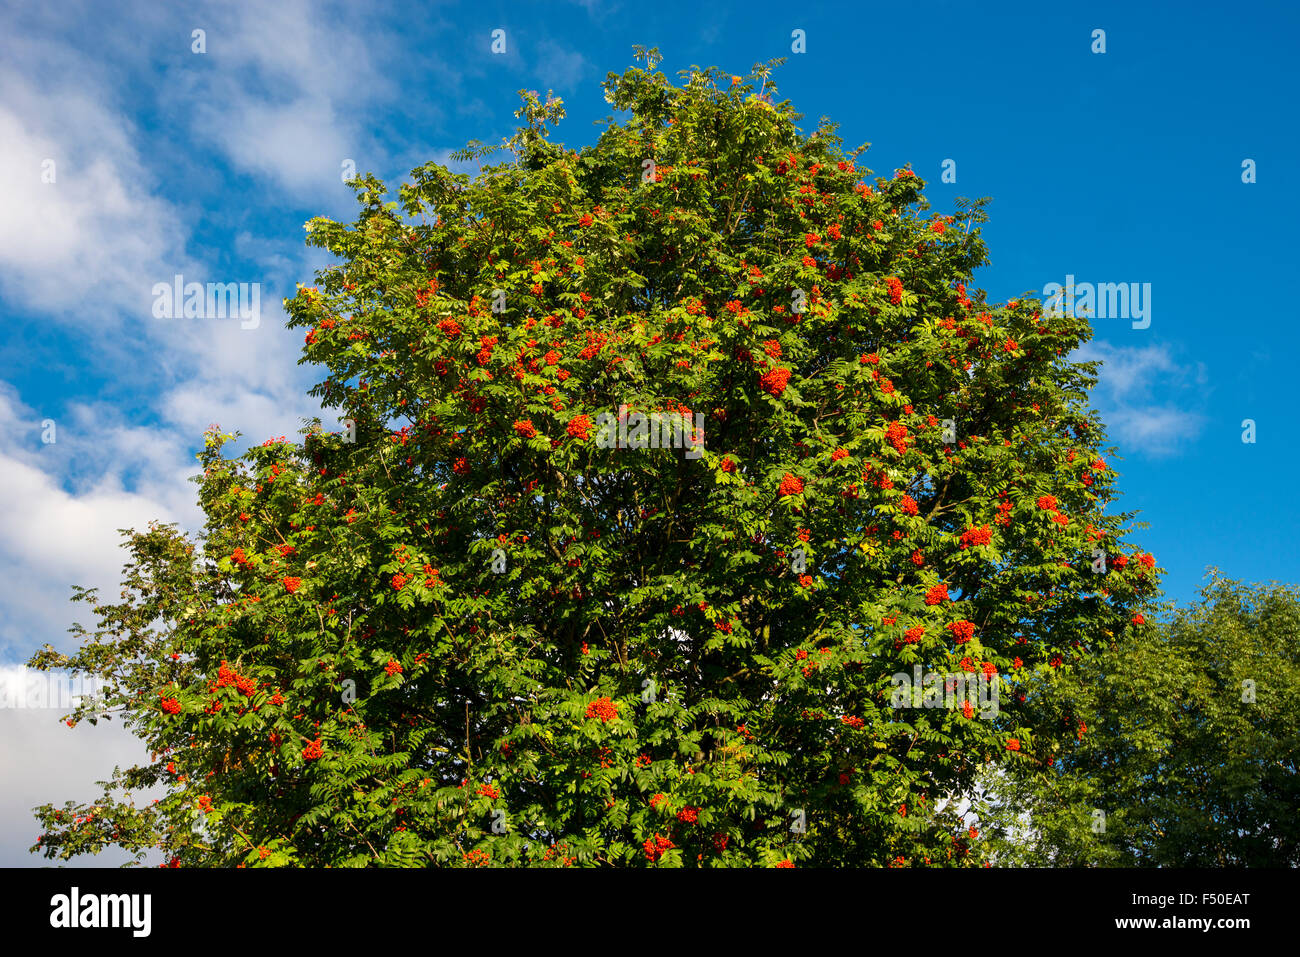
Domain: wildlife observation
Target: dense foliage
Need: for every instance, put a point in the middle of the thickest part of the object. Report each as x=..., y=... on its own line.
x=1187, y=749
x=465, y=631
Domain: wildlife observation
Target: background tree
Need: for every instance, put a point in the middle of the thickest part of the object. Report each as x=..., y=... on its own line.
x=1186, y=750
x=464, y=632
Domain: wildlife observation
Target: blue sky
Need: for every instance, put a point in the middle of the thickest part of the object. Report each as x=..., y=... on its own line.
x=1122, y=166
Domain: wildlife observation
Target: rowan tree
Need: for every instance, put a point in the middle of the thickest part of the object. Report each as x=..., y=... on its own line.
x=463, y=631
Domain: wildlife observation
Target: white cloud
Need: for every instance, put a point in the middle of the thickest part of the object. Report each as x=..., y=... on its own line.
x=1129, y=370
x=558, y=67
x=86, y=241
x=281, y=93
x=243, y=379
x=51, y=540
x=44, y=762
x=62, y=508
x=1129, y=382
x=53, y=531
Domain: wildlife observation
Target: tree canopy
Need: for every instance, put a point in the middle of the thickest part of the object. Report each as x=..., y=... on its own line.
x=1187, y=745
x=465, y=630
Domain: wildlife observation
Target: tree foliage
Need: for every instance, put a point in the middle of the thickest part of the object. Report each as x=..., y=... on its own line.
x=466, y=632
x=1186, y=747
